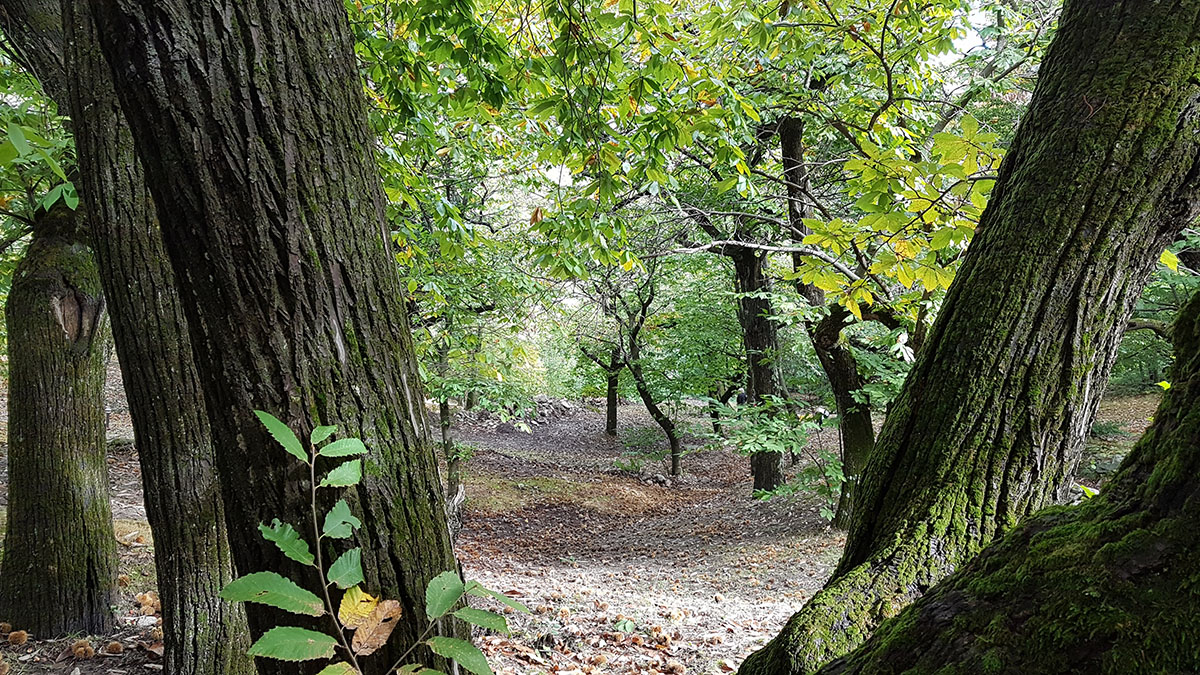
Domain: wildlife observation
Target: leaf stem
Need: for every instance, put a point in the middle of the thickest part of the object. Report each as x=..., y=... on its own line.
x=320, y=565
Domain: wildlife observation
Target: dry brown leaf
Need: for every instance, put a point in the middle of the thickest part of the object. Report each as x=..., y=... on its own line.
x=374, y=632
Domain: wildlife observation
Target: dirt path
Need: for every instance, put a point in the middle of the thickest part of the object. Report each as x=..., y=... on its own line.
x=625, y=575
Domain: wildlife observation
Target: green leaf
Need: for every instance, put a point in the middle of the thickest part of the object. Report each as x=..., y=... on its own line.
x=339, y=522
x=349, y=473
x=343, y=447
x=941, y=239
x=320, y=433
x=416, y=669
x=347, y=570
x=288, y=540
x=16, y=136
x=442, y=593
x=281, y=433
x=483, y=619
x=478, y=590
x=342, y=668
x=269, y=588
x=466, y=654
x=970, y=127
x=8, y=152
x=288, y=643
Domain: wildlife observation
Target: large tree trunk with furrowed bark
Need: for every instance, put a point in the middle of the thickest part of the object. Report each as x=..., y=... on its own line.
x=250, y=117
x=1101, y=176
x=58, y=573
x=202, y=634
x=1109, y=586
x=760, y=336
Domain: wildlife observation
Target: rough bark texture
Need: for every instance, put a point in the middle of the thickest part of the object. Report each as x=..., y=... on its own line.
x=1100, y=177
x=58, y=574
x=841, y=368
x=35, y=31
x=760, y=337
x=250, y=117
x=1109, y=586
x=202, y=633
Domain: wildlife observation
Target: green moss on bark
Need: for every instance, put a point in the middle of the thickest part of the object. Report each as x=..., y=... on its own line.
x=991, y=419
x=58, y=572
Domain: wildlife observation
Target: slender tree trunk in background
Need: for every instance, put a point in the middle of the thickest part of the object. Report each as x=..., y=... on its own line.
x=838, y=362
x=660, y=417
x=1107, y=586
x=714, y=410
x=1101, y=176
x=854, y=418
x=612, y=392
x=760, y=337
x=250, y=116
x=58, y=573
x=456, y=492
x=202, y=633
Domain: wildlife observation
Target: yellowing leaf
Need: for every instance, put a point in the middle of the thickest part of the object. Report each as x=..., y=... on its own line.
x=1170, y=260
x=374, y=632
x=356, y=608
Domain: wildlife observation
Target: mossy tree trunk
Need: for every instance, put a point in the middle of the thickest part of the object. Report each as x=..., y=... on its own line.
x=250, y=117
x=760, y=337
x=1101, y=176
x=837, y=360
x=1108, y=586
x=202, y=634
x=58, y=573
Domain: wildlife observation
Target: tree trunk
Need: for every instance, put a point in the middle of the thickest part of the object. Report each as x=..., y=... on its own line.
x=714, y=408
x=1101, y=587
x=250, y=116
x=1100, y=177
x=838, y=362
x=661, y=418
x=456, y=492
x=854, y=418
x=612, y=393
x=202, y=633
x=58, y=574
x=761, y=339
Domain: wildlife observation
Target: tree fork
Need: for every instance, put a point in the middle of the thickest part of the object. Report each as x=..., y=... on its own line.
x=1101, y=176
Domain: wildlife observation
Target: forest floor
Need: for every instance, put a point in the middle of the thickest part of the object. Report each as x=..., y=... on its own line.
x=624, y=572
